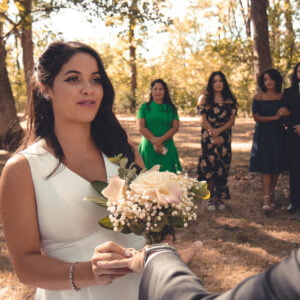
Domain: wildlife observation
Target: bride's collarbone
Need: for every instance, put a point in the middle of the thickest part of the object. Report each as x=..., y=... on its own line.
x=90, y=169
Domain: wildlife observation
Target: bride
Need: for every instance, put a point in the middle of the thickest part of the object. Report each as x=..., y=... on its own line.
x=52, y=235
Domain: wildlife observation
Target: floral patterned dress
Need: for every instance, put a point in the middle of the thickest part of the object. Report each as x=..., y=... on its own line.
x=214, y=161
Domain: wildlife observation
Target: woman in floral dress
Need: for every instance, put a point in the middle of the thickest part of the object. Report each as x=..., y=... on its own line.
x=217, y=107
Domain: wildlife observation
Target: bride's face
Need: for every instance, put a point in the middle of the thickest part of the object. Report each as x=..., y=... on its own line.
x=77, y=90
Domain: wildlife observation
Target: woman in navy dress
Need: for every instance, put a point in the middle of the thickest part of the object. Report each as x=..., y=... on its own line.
x=267, y=154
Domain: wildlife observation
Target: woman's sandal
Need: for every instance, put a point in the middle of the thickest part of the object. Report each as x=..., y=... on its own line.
x=211, y=205
x=220, y=204
x=267, y=203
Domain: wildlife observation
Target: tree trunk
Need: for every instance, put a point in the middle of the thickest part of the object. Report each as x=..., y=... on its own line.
x=289, y=34
x=132, y=59
x=26, y=41
x=262, y=52
x=246, y=17
x=10, y=129
x=133, y=79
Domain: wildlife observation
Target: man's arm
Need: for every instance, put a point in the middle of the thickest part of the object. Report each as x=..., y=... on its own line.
x=278, y=282
x=167, y=277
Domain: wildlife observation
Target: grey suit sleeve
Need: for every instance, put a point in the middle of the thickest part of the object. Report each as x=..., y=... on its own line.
x=166, y=277
x=279, y=282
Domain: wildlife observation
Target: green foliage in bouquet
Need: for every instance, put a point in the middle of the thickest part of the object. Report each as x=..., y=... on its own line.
x=150, y=203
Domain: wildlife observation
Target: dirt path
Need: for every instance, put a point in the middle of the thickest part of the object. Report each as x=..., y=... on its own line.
x=238, y=242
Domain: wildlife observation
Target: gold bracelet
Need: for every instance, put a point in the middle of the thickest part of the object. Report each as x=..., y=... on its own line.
x=71, y=277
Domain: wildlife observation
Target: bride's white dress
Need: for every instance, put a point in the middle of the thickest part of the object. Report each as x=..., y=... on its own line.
x=69, y=225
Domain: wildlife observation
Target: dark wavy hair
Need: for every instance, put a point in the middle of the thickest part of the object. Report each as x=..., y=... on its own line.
x=275, y=75
x=166, y=99
x=107, y=132
x=226, y=92
x=294, y=78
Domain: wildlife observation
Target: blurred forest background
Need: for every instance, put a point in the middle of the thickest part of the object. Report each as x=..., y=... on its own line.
x=239, y=37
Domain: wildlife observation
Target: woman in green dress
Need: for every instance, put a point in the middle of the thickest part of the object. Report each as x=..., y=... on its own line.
x=158, y=122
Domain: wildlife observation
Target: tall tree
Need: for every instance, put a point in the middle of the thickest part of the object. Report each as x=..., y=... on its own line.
x=8, y=115
x=25, y=34
x=262, y=52
x=245, y=10
x=290, y=33
x=131, y=17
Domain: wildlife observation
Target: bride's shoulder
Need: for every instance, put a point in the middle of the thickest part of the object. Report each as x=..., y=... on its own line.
x=17, y=166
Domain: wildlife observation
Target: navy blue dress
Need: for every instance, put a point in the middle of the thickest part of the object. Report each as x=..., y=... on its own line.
x=267, y=154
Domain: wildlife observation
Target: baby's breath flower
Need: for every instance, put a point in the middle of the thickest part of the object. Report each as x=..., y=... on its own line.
x=150, y=196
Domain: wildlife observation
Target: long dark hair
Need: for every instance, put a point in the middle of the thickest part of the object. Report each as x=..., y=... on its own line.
x=226, y=92
x=275, y=75
x=107, y=133
x=294, y=78
x=166, y=99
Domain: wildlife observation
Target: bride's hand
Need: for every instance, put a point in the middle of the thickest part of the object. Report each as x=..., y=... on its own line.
x=134, y=260
x=109, y=262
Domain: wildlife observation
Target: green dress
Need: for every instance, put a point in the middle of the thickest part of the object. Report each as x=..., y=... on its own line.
x=158, y=119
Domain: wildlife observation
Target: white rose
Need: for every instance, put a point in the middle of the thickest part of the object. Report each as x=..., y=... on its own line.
x=160, y=186
x=114, y=192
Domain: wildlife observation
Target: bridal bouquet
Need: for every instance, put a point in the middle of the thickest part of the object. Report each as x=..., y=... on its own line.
x=151, y=204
